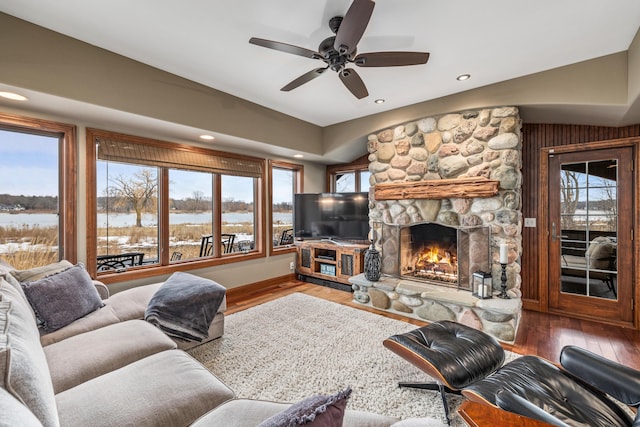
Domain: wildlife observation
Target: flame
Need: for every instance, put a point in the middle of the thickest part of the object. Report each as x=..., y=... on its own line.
x=432, y=256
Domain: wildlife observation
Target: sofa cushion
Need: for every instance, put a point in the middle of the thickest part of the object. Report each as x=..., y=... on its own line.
x=249, y=412
x=85, y=356
x=131, y=303
x=600, y=252
x=27, y=377
x=39, y=272
x=169, y=388
x=61, y=298
x=92, y=321
x=317, y=411
x=15, y=413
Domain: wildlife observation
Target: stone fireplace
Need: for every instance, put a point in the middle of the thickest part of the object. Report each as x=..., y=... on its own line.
x=445, y=194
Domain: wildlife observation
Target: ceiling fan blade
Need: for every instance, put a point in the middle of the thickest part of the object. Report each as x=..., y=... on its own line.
x=305, y=78
x=284, y=47
x=354, y=83
x=391, y=59
x=353, y=25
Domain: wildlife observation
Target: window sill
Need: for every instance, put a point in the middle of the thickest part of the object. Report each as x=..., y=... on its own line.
x=159, y=270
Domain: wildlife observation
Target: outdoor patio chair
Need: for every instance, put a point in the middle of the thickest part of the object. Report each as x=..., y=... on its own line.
x=286, y=238
x=227, y=242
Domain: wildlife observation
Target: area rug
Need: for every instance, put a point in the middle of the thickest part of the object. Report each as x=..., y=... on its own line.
x=299, y=345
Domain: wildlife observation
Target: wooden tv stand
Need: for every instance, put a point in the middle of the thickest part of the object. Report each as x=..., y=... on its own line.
x=329, y=260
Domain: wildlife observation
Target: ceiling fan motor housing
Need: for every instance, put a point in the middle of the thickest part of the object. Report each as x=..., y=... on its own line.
x=340, y=50
x=331, y=56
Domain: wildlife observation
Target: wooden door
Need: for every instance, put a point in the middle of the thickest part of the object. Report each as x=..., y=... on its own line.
x=590, y=234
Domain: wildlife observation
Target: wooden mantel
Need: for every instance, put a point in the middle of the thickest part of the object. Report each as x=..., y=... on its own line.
x=437, y=189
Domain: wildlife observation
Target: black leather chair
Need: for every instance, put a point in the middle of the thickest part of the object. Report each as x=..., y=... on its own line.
x=467, y=361
x=454, y=354
x=577, y=393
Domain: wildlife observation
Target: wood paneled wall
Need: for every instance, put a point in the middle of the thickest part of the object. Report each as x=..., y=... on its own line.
x=534, y=138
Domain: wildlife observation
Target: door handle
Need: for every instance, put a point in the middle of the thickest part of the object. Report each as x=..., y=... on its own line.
x=555, y=236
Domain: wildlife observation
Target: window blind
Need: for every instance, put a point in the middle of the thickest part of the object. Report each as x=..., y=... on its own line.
x=177, y=158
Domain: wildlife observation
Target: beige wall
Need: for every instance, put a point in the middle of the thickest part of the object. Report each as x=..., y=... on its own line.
x=42, y=60
x=36, y=59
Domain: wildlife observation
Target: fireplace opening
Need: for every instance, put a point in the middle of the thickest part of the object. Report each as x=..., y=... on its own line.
x=429, y=252
x=442, y=255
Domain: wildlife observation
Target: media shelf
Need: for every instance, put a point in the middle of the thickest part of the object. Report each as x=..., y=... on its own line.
x=330, y=261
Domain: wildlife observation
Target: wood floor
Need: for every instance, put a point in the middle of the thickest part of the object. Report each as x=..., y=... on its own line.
x=539, y=333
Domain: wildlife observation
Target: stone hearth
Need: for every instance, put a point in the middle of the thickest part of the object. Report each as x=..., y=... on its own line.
x=497, y=317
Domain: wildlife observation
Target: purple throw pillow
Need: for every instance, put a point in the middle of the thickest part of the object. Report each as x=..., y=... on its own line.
x=316, y=411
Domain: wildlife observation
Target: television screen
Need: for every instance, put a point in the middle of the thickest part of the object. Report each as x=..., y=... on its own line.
x=331, y=216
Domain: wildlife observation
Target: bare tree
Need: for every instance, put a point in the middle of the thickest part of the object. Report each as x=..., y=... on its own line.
x=197, y=197
x=569, y=197
x=610, y=204
x=137, y=191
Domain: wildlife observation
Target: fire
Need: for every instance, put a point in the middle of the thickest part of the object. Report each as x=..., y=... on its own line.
x=433, y=256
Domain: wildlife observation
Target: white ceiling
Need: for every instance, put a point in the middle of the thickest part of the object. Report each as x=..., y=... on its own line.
x=207, y=41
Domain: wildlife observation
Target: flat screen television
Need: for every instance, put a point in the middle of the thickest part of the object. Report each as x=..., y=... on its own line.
x=338, y=216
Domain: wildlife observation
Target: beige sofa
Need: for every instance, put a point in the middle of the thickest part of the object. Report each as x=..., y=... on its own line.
x=112, y=368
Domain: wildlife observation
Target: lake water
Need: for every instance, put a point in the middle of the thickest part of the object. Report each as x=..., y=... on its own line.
x=124, y=220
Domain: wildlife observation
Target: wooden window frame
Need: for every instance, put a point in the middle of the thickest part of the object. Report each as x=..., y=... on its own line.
x=67, y=172
x=298, y=187
x=357, y=166
x=164, y=265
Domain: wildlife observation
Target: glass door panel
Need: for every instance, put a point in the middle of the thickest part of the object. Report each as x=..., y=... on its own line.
x=590, y=219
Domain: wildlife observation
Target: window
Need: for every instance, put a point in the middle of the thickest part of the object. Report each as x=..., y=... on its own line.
x=190, y=213
x=37, y=191
x=286, y=180
x=158, y=204
x=351, y=177
x=238, y=213
x=345, y=182
x=126, y=213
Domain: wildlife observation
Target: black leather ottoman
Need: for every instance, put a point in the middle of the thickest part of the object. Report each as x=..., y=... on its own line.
x=454, y=354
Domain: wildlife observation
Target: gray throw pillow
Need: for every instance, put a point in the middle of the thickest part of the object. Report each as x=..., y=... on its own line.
x=316, y=411
x=63, y=297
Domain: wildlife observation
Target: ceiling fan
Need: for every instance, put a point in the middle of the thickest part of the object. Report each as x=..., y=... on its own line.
x=340, y=50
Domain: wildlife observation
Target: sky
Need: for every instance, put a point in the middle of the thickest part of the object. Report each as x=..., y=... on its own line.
x=28, y=164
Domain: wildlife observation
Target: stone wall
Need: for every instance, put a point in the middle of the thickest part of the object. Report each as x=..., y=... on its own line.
x=481, y=143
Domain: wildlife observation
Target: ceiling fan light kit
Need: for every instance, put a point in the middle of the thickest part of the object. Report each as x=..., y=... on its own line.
x=340, y=50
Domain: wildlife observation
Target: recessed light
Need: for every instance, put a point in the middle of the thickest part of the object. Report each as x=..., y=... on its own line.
x=298, y=156
x=463, y=77
x=13, y=96
x=379, y=101
x=207, y=137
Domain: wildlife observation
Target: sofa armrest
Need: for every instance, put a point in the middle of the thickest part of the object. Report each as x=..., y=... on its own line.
x=102, y=289
x=621, y=382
